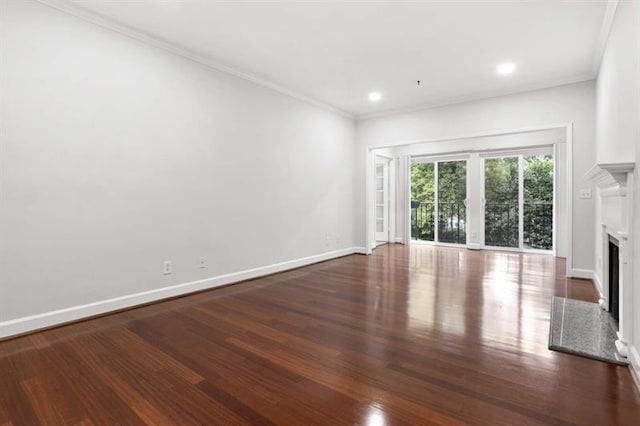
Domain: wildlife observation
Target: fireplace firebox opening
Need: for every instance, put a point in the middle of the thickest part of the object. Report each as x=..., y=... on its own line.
x=614, y=278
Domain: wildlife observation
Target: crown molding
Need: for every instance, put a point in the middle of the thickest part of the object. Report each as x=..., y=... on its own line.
x=603, y=36
x=610, y=178
x=478, y=97
x=152, y=40
x=110, y=24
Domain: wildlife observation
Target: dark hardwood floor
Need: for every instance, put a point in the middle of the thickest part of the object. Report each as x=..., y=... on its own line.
x=420, y=336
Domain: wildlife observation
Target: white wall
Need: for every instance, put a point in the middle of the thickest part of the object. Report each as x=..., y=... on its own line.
x=618, y=88
x=117, y=156
x=618, y=130
x=573, y=103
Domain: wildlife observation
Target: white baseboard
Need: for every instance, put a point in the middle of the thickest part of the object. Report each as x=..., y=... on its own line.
x=474, y=246
x=581, y=273
x=598, y=282
x=634, y=359
x=74, y=313
x=360, y=250
x=399, y=240
x=589, y=275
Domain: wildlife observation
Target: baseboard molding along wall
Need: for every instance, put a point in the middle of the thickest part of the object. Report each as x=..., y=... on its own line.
x=74, y=313
x=589, y=275
x=582, y=273
x=634, y=359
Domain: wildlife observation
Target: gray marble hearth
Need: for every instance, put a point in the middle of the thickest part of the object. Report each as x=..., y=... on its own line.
x=583, y=328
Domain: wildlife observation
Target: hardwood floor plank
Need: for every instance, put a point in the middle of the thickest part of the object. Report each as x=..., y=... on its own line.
x=43, y=406
x=420, y=335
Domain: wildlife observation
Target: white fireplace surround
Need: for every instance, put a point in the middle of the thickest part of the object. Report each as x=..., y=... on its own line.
x=616, y=180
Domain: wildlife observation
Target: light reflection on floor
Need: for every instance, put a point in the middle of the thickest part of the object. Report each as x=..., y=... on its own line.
x=441, y=278
x=375, y=416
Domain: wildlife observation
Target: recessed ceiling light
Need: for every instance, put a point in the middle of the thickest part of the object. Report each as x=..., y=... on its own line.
x=506, y=68
x=375, y=96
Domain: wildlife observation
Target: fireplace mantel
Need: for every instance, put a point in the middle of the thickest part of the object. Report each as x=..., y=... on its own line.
x=611, y=178
x=616, y=180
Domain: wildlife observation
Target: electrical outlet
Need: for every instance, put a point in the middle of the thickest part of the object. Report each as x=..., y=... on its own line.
x=585, y=193
x=202, y=262
x=166, y=267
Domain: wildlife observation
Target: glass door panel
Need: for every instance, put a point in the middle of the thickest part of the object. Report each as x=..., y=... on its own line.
x=423, y=201
x=452, y=195
x=382, y=200
x=538, y=202
x=501, y=202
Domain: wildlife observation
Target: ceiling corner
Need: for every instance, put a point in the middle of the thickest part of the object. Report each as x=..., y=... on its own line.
x=603, y=36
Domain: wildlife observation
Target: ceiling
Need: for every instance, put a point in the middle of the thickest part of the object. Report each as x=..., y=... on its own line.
x=337, y=52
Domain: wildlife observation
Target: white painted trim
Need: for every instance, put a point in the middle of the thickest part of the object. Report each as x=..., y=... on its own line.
x=581, y=273
x=360, y=250
x=598, y=283
x=517, y=250
x=399, y=240
x=407, y=201
x=482, y=134
x=424, y=243
x=610, y=178
x=74, y=313
x=388, y=157
x=634, y=359
x=369, y=219
x=568, y=219
x=545, y=149
x=449, y=156
x=110, y=24
x=556, y=191
x=593, y=276
x=521, y=202
x=478, y=97
x=438, y=244
x=389, y=193
x=603, y=36
x=392, y=200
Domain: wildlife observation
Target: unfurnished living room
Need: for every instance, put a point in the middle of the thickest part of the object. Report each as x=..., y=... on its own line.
x=319, y=212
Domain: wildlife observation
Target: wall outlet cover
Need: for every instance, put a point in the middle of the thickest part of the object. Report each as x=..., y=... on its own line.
x=585, y=193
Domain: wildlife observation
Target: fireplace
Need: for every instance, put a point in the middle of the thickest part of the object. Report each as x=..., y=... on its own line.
x=614, y=278
x=614, y=270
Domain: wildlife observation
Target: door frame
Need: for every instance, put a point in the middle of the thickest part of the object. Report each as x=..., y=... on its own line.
x=391, y=202
x=369, y=154
x=385, y=162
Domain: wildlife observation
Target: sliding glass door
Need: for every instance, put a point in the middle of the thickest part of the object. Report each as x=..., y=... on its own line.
x=438, y=201
x=452, y=199
x=502, y=202
x=518, y=201
x=494, y=200
x=538, y=202
x=423, y=207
